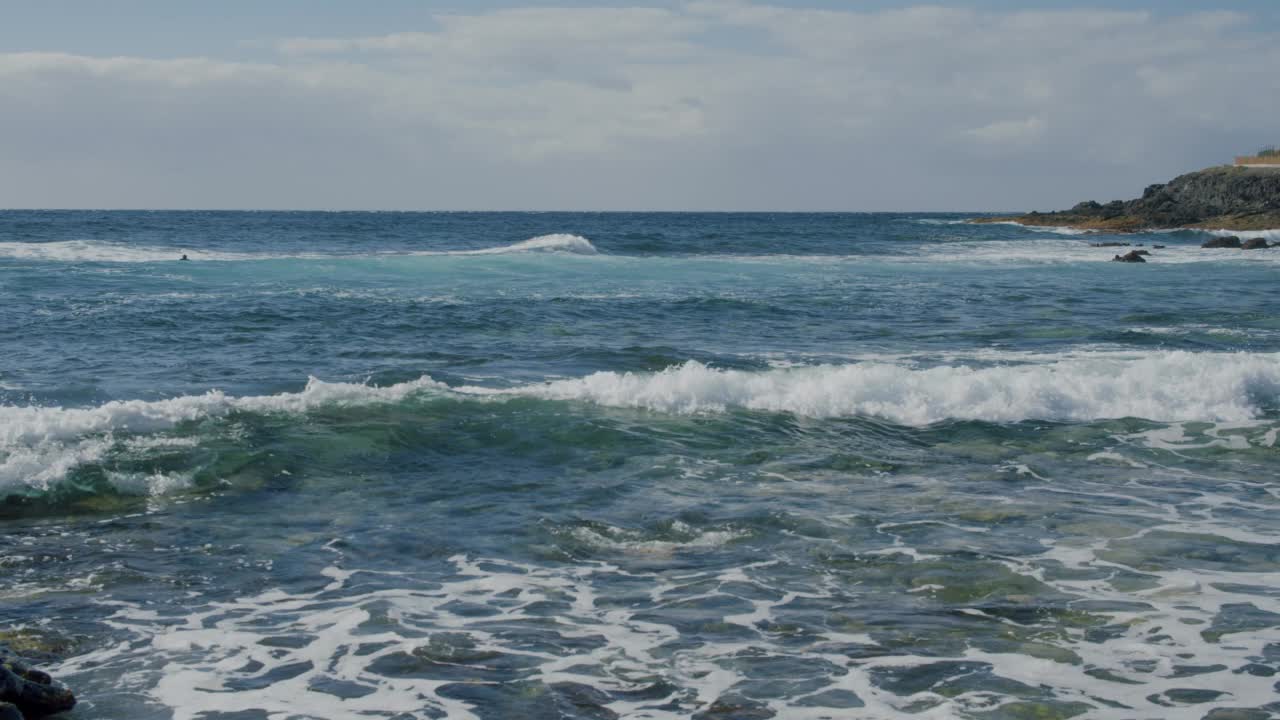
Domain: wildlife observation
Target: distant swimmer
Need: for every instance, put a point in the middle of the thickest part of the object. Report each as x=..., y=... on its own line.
x=184, y=257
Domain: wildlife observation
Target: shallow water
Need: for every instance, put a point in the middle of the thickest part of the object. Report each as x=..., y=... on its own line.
x=637, y=465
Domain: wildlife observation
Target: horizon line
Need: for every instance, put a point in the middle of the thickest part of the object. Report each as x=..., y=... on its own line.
x=495, y=211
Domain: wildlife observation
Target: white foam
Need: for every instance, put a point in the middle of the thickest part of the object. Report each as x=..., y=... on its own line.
x=1165, y=385
x=1175, y=437
x=109, y=252
x=42, y=465
x=98, y=251
x=635, y=542
x=557, y=242
x=30, y=425
x=1055, y=229
x=39, y=446
x=1044, y=251
x=1201, y=328
x=1271, y=236
x=152, y=484
x=1114, y=457
x=199, y=663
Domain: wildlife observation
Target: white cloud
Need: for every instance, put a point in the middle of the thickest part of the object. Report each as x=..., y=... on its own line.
x=713, y=104
x=512, y=34
x=1018, y=132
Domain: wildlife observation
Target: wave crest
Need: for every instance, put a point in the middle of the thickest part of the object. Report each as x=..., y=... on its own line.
x=109, y=252
x=1163, y=386
x=40, y=447
x=557, y=242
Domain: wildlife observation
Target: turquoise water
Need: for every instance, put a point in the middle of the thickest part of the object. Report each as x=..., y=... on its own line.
x=648, y=465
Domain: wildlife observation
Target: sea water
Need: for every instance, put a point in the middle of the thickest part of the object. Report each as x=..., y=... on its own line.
x=578, y=465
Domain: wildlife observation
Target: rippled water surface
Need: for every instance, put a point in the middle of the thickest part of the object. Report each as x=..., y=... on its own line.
x=549, y=465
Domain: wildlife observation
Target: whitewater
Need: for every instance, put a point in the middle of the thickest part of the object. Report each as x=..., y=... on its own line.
x=637, y=465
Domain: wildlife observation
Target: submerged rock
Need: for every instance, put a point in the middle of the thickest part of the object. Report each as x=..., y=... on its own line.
x=1133, y=256
x=735, y=707
x=29, y=693
x=1255, y=244
x=1231, y=241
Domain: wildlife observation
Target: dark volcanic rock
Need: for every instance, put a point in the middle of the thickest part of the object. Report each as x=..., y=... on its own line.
x=1230, y=241
x=1255, y=244
x=29, y=692
x=1131, y=256
x=1233, y=198
x=1201, y=196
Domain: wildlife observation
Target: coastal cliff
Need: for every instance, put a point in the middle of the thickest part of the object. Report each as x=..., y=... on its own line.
x=1219, y=198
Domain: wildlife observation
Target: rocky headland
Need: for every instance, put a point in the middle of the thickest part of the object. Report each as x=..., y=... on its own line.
x=1218, y=198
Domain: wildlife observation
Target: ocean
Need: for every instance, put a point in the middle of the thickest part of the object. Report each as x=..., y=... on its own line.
x=637, y=465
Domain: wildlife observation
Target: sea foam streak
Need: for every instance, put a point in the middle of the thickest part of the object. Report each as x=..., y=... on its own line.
x=1044, y=251
x=1055, y=229
x=98, y=251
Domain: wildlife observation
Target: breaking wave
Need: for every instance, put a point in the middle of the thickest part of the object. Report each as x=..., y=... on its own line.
x=1161, y=386
x=557, y=242
x=42, y=446
x=98, y=251
x=1271, y=236
x=108, y=252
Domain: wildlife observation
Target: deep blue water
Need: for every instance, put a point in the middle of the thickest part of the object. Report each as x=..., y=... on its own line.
x=641, y=465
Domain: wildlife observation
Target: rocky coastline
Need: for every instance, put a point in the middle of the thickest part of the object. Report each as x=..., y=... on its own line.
x=1220, y=198
x=26, y=692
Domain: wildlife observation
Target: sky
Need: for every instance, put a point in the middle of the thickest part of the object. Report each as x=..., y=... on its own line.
x=692, y=105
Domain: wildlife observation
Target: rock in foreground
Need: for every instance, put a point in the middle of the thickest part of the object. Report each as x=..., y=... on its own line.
x=27, y=693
